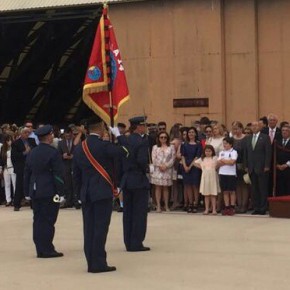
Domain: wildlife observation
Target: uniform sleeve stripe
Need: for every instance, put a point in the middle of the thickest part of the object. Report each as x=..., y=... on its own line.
x=127, y=152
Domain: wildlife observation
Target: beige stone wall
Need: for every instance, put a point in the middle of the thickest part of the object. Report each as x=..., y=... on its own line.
x=234, y=52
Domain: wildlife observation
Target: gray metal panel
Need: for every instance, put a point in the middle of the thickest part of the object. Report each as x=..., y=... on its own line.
x=13, y=5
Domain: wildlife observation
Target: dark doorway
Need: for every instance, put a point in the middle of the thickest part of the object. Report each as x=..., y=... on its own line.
x=43, y=60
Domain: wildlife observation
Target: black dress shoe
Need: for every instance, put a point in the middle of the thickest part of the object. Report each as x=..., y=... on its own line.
x=263, y=212
x=50, y=255
x=107, y=269
x=255, y=212
x=77, y=206
x=16, y=208
x=120, y=209
x=142, y=249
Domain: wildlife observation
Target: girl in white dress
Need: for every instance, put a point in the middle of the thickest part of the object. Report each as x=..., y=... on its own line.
x=209, y=184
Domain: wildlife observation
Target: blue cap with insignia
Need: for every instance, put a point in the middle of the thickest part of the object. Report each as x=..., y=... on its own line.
x=44, y=130
x=141, y=120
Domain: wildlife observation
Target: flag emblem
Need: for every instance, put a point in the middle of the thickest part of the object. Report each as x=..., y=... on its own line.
x=94, y=73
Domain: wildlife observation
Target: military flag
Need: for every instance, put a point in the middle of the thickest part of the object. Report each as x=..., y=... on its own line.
x=105, y=87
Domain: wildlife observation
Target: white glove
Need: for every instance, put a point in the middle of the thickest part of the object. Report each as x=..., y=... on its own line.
x=79, y=201
x=58, y=199
x=27, y=198
x=115, y=131
x=61, y=199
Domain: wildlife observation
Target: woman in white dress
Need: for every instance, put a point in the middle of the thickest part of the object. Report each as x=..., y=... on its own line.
x=163, y=156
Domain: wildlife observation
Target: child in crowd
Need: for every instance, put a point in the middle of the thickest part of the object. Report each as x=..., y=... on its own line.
x=209, y=184
x=228, y=175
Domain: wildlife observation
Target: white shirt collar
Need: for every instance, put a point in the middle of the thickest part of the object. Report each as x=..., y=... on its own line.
x=95, y=134
x=272, y=130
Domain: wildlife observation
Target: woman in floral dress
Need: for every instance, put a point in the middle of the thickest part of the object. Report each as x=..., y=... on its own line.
x=163, y=156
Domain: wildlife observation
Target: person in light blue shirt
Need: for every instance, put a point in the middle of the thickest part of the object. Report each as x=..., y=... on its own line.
x=29, y=126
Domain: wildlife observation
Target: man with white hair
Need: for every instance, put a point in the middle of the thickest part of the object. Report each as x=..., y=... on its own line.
x=274, y=133
x=272, y=130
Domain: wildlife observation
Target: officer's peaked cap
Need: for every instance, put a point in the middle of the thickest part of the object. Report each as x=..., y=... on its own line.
x=44, y=130
x=141, y=120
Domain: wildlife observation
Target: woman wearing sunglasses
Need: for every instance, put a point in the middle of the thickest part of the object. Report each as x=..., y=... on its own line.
x=163, y=156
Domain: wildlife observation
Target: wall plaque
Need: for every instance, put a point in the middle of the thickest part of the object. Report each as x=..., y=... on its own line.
x=190, y=103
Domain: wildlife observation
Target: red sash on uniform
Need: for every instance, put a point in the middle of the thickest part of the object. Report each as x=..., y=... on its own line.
x=99, y=167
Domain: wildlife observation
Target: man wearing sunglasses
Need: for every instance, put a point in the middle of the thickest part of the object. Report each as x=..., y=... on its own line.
x=161, y=126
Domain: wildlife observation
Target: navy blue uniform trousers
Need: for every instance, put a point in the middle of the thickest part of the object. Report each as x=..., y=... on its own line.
x=45, y=213
x=96, y=218
x=135, y=217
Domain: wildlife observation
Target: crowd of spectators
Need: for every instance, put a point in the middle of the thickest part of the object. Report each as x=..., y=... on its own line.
x=220, y=170
x=202, y=168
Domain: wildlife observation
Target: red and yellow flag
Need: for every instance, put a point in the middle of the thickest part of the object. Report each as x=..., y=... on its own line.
x=105, y=84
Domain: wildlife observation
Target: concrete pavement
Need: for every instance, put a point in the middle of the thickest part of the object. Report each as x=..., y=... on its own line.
x=188, y=252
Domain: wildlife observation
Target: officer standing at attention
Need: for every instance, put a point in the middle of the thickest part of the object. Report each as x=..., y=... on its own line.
x=93, y=170
x=43, y=180
x=135, y=186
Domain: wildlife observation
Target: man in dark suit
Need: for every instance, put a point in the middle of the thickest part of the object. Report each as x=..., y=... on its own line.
x=283, y=163
x=19, y=150
x=96, y=193
x=257, y=159
x=66, y=148
x=274, y=134
x=135, y=186
x=43, y=180
x=272, y=130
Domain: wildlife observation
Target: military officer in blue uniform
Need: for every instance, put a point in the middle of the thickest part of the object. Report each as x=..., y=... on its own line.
x=43, y=180
x=135, y=186
x=96, y=193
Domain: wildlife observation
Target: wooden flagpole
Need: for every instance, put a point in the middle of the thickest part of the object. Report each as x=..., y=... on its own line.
x=108, y=62
x=111, y=101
